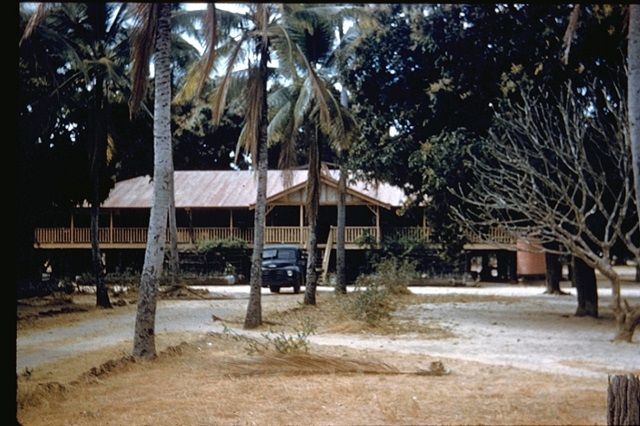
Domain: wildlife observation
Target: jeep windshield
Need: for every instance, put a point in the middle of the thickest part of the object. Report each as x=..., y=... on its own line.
x=288, y=254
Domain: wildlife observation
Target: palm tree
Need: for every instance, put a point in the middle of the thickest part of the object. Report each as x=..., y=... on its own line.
x=260, y=28
x=153, y=34
x=95, y=59
x=633, y=55
x=303, y=107
x=316, y=26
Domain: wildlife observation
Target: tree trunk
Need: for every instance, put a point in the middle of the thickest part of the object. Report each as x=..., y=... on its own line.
x=627, y=317
x=144, y=335
x=553, y=273
x=627, y=320
x=623, y=400
x=584, y=280
x=97, y=158
x=102, y=295
x=485, y=272
x=633, y=96
x=173, y=264
x=313, y=201
x=512, y=267
x=341, y=254
x=253, y=318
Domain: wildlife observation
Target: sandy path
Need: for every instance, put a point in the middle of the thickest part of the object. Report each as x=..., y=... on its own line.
x=534, y=331
x=531, y=330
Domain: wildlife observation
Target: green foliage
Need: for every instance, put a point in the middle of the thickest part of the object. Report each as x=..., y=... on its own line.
x=279, y=342
x=436, y=77
x=372, y=301
x=394, y=275
x=369, y=303
x=214, y=246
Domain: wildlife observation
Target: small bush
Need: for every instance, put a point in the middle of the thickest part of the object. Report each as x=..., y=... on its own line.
x=370, y=305
x=278, y=342
x=394, y=275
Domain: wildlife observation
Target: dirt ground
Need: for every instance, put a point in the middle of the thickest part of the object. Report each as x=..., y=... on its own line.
x=515, y=356
x=193, y=385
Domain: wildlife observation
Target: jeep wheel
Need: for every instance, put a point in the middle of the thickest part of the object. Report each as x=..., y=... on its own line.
x=297, y=285
x=274, y=289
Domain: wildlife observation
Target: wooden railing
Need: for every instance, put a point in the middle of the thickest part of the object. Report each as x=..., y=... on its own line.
x=355, y=234
x=273, y=235
x=286, y=234
x=412, y=232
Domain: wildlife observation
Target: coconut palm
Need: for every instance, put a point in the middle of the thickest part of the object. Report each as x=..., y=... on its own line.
x=153, y=35
x=261, y=28
x=91, y=39
x=296, y=112
x=315, y=26
x=633, y=96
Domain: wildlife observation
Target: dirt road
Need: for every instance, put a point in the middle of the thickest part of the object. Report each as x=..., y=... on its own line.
x=521, y=328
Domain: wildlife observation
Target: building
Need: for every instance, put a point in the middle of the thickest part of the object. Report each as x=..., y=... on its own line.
x=212, y=205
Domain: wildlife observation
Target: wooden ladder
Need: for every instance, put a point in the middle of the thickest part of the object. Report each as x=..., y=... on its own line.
x=327, y=256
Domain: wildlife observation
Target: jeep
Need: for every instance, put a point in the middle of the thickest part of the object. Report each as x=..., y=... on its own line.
x=283, y=266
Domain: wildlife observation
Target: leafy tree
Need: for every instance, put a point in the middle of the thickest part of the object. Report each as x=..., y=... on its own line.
x=90, y=39
x=432, y=73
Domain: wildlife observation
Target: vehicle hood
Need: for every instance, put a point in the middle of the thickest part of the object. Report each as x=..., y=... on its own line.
x=277, y=263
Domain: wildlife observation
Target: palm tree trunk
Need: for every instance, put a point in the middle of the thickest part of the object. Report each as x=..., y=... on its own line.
x=144, y=335
x=313, y=201
x=173, y=265
x=341, y=254
x=253, y=318
x=97, y=158
x=633, y=96
x=97, y=15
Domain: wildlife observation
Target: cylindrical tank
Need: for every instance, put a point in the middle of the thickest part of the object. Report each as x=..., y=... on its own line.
x=530, y=259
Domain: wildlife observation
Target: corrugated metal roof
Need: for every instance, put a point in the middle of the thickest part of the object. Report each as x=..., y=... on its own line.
x=228, y=188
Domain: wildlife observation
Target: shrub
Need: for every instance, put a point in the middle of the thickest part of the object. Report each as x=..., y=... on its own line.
x=278, y=342
x=394, y=275
x=207, y=246
x=370, y=305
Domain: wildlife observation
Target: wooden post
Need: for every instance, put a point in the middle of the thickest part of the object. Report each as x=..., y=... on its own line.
x=190, y=226
x=327, y=256
x=111, y=227
x=72, y=226
x=301, y=222
x=424, y=224
x=623, y=400
x=378, y=225
x=231, y=222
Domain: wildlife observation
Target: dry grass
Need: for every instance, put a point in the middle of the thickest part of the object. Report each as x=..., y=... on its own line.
x=212, y=381
x=331, y=315
x=44, y=312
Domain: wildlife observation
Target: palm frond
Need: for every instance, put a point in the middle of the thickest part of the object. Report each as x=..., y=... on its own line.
x=209, y=56
x=569, y=33
x=251, y=133
x=34, y=21
x=219, y=97
x=143, y=42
